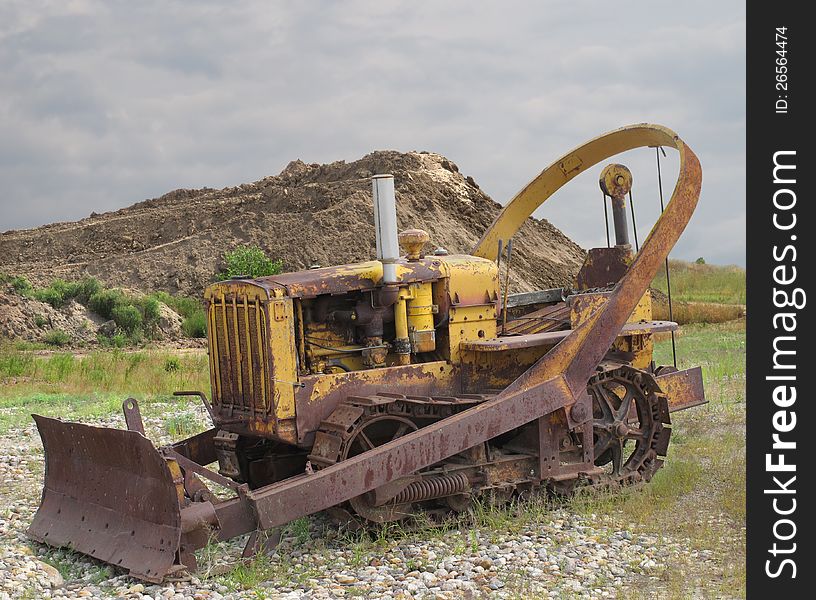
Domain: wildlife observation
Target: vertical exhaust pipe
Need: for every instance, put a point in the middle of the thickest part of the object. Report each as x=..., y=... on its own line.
x=385, y=225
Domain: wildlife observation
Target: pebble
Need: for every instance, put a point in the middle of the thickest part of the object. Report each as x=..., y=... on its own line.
x=562, y=555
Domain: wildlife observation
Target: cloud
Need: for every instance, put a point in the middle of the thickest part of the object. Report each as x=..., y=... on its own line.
x=106, y=103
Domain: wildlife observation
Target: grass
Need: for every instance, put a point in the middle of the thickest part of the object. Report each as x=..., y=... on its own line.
x=699, y=494
x=697, y=499
x=181, y=425
x=700, y=293
x=697, y=312
x=692, y=282
x=93, y=385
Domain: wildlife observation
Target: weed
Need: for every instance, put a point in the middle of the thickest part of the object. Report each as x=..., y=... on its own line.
x=104, y=301
x=300, y=529
x=15, y=364
x=60, y=292
x=21, y=285
x=171, y=365
x=128, y=318
x=181, y=424
x=195, y=326
x=57, y=337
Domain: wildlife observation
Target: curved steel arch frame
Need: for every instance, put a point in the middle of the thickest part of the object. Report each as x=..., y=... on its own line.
x=579, y=354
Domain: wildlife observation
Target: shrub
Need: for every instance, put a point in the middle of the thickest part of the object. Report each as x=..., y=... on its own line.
x=53, y=294
x=183, y=305
x=249, y=261
x=150, y=312
x=40, y=321
x=195, y=326
x=57, y=337
x=171, y=365
x=127, y=318
x=60, y=291
x=700, y=261
x=104, y=301
x=117, y=340
x=85, y=288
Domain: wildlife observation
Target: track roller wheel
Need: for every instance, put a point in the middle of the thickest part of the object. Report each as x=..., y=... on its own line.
x=630, y=425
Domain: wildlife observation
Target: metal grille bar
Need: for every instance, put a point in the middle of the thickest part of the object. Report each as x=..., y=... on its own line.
x=239, y=339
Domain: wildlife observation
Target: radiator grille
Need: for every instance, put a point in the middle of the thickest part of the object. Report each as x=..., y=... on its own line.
x=240, y=367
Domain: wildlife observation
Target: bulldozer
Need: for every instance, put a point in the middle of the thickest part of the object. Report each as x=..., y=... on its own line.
x=413, y=382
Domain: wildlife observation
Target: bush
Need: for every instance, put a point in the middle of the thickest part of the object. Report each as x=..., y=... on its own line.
x=60, y=291
x=40, y=321
x=249, y=261
x=57, y=337
x=700, y=261
x=104, y=301
x=54, y=294
x=128, y=318
x=195, y=326
x=183, y=305
x=85, y=288
x=115, y=341
x=151, y=312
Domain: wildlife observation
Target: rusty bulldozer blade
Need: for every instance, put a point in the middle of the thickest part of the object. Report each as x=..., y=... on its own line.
x=108, y=493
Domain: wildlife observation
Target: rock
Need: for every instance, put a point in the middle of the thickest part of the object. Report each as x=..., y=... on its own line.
x=55, y=579
x=169, y=322
x=108, y=328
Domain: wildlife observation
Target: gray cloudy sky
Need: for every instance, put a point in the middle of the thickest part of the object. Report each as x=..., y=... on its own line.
x=105, y=103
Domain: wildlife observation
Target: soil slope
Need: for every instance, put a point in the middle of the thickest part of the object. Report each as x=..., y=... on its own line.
x=309, y=214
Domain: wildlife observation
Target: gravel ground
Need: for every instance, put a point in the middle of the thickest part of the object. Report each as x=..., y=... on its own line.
x=557, y=554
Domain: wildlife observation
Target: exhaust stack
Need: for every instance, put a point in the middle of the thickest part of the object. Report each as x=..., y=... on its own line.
x=385, y=225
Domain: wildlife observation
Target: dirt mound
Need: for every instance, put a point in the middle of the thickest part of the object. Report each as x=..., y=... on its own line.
x=309, y=214
x=32, y=320
x=25, y=318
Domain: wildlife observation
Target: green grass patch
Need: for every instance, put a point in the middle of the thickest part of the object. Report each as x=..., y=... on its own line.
x=70, y=386
x=19, y=284
x=181, y=425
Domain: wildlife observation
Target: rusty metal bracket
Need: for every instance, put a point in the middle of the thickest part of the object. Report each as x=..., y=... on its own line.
x=189, y=465
x=133, y=416
x=204, y=401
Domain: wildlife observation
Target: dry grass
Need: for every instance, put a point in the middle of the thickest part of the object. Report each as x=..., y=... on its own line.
x=697, y=312
x=93, y=385
x=703, y=283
